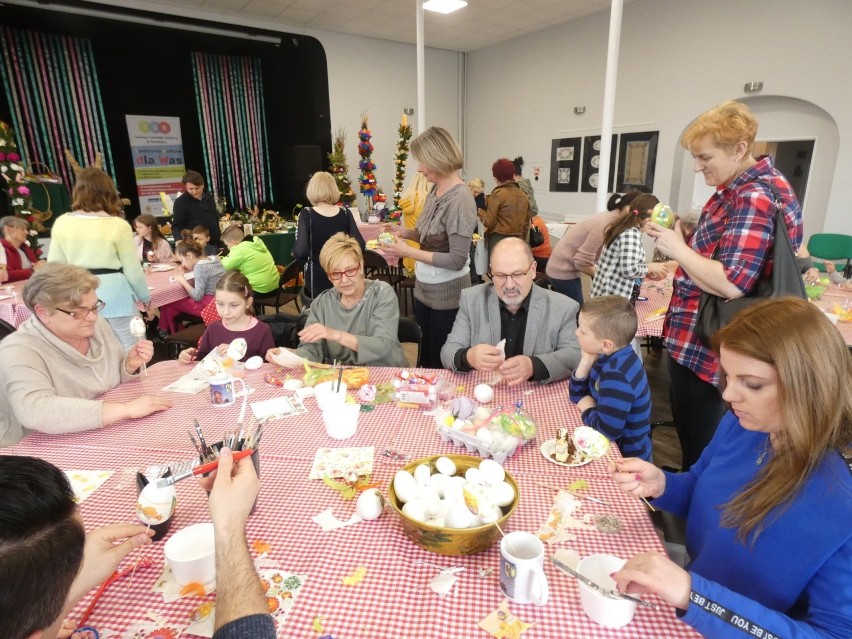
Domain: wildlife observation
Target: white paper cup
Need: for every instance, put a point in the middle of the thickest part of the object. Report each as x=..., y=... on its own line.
x=328, y=394
x=191, y=552
x=603, y=610
x=341, y=420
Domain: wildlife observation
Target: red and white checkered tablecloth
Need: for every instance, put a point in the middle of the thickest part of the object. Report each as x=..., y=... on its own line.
x=393, y=600
x=659, y=294
x=12, y=309
x=164, y=291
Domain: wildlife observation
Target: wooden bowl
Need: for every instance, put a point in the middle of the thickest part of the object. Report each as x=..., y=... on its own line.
x=452, y=541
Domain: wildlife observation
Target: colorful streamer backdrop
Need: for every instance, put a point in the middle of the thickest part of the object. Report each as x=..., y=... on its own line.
x=229, y=95
x=54, y=95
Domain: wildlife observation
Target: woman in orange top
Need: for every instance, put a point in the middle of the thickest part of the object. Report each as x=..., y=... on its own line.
x=542, y=252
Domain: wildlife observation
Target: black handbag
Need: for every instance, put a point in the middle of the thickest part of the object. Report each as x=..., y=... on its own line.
x=536, y=236
x=714, y=312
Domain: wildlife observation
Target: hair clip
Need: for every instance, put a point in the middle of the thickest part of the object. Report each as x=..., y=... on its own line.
x=635, y=211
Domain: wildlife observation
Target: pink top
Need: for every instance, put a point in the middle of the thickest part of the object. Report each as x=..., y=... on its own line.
x=581, y=246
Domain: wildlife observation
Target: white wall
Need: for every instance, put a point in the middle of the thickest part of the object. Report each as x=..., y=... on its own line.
x=678, y=58
x=379, y=77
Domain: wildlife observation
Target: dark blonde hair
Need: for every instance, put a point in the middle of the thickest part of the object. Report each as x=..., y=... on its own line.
x=322, y=189
x=337, y=248
x=56, y=284
x=236, y=282
x=640, y=210
x=814, y=371
x=151, y=222
x=95, y=191
x=611, y=317
x=725, y=125
x=185, y=247
x=437, y=149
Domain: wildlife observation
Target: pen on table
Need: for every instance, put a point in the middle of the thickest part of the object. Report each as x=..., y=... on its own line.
x=201, y=469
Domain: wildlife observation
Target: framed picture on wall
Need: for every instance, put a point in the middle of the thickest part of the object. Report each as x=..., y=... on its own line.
x=591, y=163
x=637, y=159
x=565, y=164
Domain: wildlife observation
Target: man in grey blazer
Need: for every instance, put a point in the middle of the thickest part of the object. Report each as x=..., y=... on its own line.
x=538, y=325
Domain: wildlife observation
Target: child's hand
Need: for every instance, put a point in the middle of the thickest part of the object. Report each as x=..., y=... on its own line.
x=585, y=404
x=829, y=267
x=188, y=355
x=657, y=270
x=812, y=275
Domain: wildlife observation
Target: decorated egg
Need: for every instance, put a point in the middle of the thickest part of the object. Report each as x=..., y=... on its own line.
x=137, y=327
x=211, y=366
x=405, y=486
x=386, y=238
x=663, y=215
x=445, y=466
x=255, y=362
x=155, y=505
x=237, y=349
x=477, y=498
x=370, y=504
x=483, y=393
x=590, y=441
x=367, y=393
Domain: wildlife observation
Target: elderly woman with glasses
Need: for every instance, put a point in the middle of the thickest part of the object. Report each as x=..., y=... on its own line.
x=356, y=321
x=58, y=361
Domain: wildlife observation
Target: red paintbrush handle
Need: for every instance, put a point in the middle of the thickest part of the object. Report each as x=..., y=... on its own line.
x=211, y=466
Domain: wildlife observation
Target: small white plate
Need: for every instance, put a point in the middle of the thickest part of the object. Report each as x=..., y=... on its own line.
x=162, y=268
x=549, y=447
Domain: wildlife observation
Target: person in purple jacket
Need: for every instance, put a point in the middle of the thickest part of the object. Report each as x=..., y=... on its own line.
x=234, y=303
x=768, y=504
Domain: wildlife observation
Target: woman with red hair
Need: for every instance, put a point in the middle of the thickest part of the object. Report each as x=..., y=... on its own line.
x=508, y=212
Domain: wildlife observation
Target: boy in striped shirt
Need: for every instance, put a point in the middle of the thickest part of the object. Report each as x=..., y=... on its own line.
x=609, y=386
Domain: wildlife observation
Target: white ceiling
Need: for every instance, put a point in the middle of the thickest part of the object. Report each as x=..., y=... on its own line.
x=480, y=24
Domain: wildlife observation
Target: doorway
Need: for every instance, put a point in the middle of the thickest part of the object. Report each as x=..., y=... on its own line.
x=792, y=158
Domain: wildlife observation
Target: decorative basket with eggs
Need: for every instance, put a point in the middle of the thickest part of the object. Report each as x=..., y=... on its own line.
x=438, y=536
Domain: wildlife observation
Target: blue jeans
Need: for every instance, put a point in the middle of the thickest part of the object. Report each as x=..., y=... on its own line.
x=571, y=288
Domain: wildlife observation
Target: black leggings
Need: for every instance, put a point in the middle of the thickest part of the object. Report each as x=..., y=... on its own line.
x=436, y=326
x=697, y=409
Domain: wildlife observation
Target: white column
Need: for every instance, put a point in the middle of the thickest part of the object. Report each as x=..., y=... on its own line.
x=421, y=72
x=609, y=101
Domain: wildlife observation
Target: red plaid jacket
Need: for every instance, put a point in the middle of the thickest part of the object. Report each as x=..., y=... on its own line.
x=739, y=219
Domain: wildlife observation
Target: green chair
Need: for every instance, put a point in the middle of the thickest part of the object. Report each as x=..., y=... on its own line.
x=831, y=246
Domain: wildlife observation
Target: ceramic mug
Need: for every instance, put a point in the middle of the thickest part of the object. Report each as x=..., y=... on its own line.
x=223, y=390
x=522, y=576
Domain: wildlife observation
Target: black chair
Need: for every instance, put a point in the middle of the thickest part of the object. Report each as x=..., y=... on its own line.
x=406, y=291
x=409, y=332
x=6, y=329
x=281, y=295
x=376, y=267
x=185, y=338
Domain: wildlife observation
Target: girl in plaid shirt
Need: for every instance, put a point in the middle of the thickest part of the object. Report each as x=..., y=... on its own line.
x=622, y=264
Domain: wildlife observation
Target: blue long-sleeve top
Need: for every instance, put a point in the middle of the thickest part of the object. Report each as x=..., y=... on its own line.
x=795, y=580
x=622, y=411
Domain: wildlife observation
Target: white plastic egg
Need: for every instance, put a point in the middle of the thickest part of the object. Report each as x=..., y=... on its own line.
x=453, y=489
x=445, y=466
x=292, y=384
x=438, y=521
x=405, y=486
x=503, y=494
x=459, y=517
x=370, y=504
x=483, y=393
x=489, y=515
x=484, y=435
x=473, y=475
x=492, y=472
x=414, y=510
x=254, y=362
x=422, y=474
x=438, y=482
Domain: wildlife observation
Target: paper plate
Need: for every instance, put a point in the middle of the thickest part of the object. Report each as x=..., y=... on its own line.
x=548, y=448
x=162, y=268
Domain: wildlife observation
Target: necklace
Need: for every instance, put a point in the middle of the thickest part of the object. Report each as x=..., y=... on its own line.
x=762, y=456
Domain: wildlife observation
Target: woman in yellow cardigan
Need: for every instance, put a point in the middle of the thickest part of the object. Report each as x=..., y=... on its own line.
x=411, y=204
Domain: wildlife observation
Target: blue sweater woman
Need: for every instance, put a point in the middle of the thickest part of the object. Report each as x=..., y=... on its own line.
x=795, y=580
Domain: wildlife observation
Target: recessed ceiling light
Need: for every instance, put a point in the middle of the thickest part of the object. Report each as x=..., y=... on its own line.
x=444, y=6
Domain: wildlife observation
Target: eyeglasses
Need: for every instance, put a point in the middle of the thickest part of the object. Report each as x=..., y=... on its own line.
x=82, y=313
x=350, y=273
x=502, y=277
